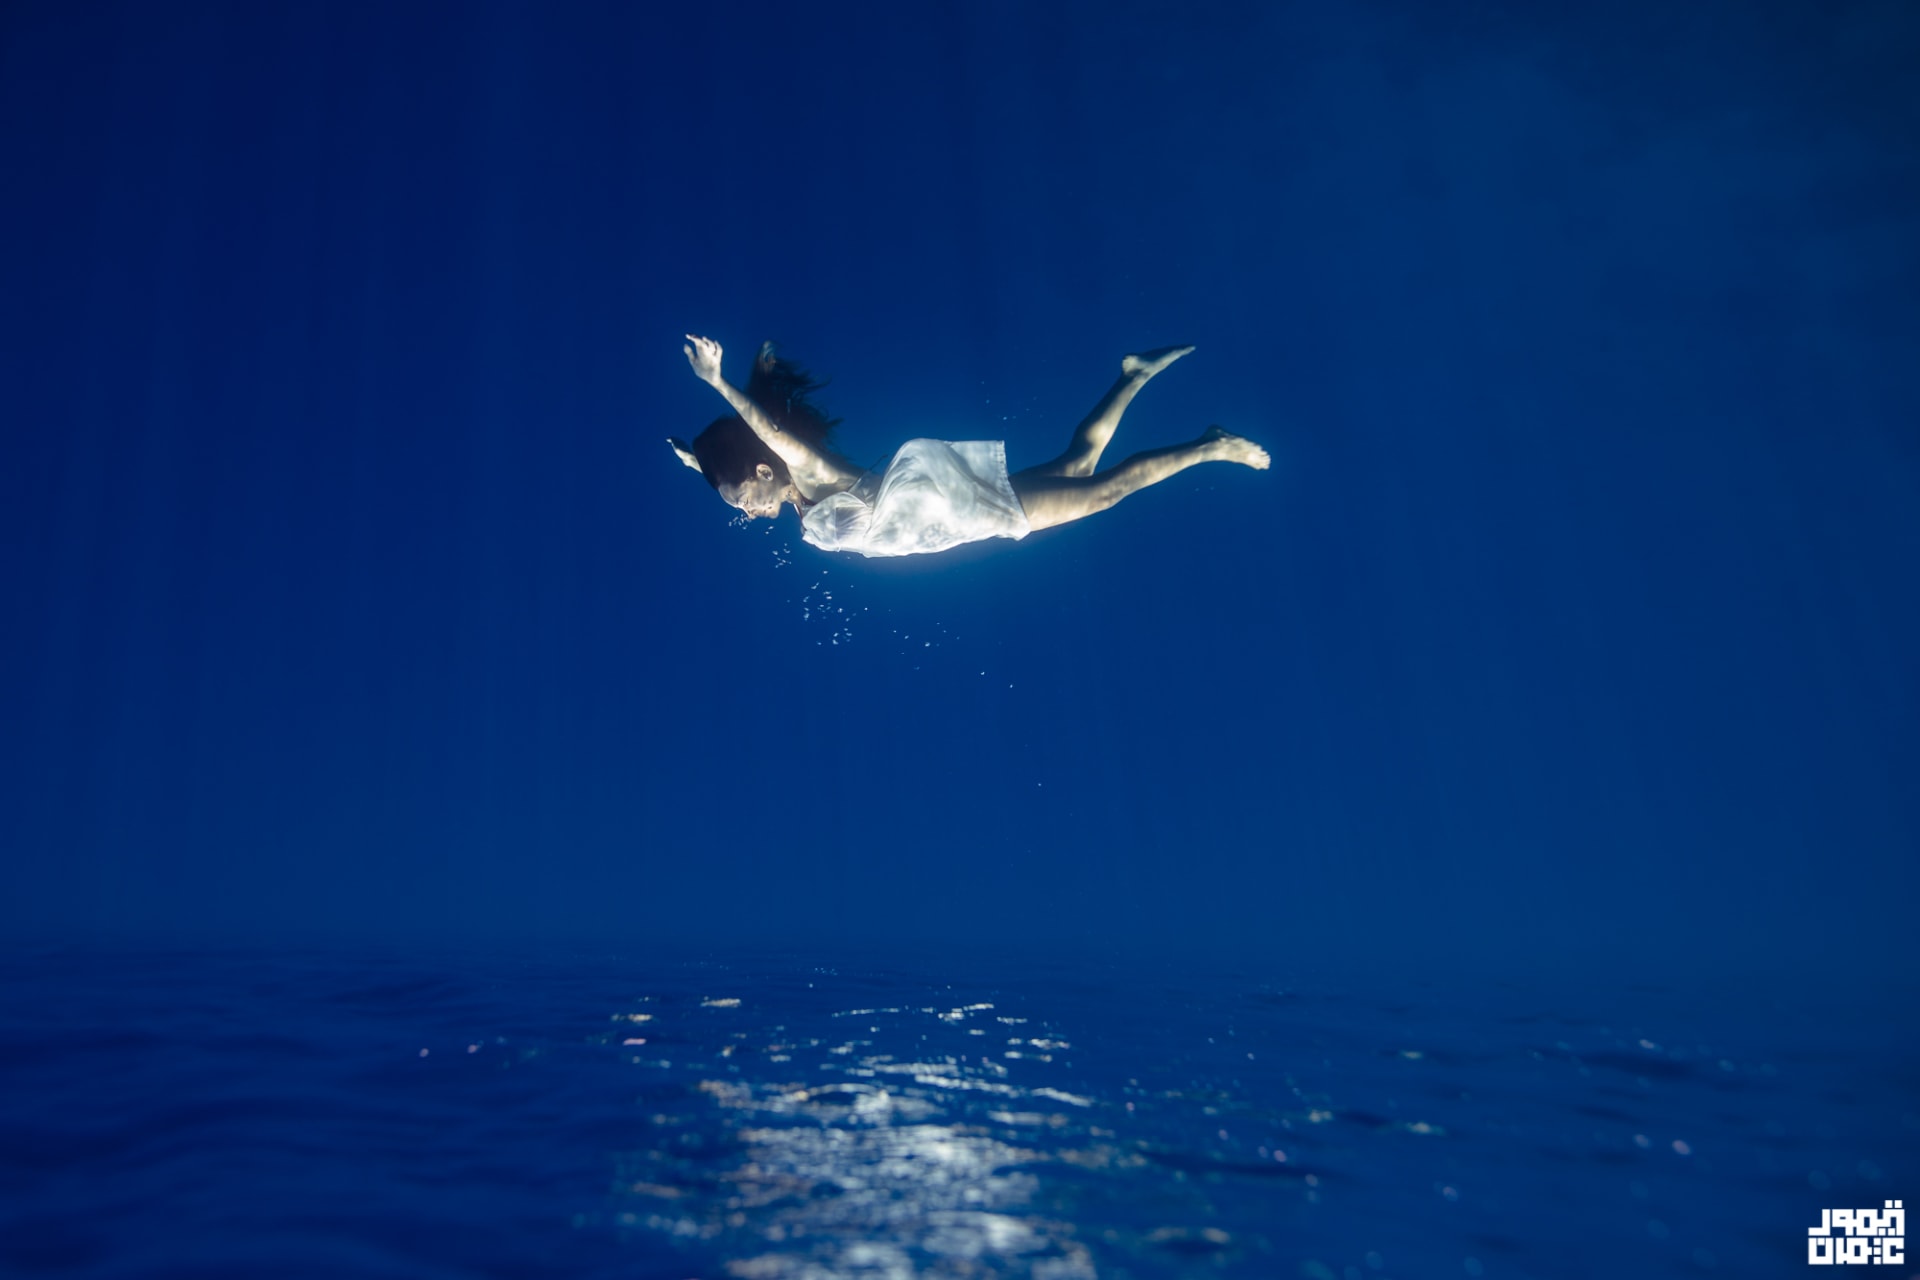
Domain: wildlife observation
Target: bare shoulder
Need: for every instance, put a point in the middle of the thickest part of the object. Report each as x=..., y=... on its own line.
x=824, y=476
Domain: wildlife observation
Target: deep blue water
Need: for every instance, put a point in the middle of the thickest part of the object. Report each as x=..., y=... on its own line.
x=353, y=596
x=267, y=1114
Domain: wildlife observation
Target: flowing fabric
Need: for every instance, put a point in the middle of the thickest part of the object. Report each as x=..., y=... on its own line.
x=933, y=495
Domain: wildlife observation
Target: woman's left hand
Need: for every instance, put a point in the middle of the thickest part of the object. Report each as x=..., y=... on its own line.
x=704, y=355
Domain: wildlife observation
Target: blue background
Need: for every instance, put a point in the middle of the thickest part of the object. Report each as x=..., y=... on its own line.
x=352, y=592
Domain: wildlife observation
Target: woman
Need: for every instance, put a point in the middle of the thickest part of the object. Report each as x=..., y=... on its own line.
x=933, y=494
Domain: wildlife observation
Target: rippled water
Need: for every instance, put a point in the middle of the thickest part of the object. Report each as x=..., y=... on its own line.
x=255, y=1115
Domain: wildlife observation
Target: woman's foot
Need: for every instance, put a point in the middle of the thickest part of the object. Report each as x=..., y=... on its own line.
x=1147, y=363
x=1227, y=447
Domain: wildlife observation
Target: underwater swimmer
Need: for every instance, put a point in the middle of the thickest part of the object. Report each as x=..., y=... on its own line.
x=933, y=494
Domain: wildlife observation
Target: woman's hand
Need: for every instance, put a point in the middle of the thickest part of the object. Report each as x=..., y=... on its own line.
x=704, y=355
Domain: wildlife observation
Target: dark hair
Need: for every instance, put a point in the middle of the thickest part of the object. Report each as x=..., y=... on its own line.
x=728, y=450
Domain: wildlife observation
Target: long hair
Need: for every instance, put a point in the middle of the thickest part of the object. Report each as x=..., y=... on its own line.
x=728, y=450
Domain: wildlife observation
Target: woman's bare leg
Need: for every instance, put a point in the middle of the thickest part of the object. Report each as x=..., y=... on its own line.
x=1050, y=500
x=1091, y=436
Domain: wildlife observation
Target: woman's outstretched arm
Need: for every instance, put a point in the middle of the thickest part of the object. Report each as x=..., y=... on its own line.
x=815, y=472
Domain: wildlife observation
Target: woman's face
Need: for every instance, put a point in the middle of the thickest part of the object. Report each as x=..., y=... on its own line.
x=758, y=495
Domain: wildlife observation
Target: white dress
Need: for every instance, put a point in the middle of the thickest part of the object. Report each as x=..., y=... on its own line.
x=934, y=494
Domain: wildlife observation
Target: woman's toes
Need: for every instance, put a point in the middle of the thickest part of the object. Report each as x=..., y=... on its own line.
x=1151, y=362
x=1232, y=448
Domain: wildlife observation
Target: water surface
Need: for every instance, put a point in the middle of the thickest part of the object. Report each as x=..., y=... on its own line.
x=596, y=1114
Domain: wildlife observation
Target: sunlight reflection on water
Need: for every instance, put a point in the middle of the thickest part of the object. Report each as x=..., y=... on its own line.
x=781, y=1119
x=1245, y=1131
x=855, y=1178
